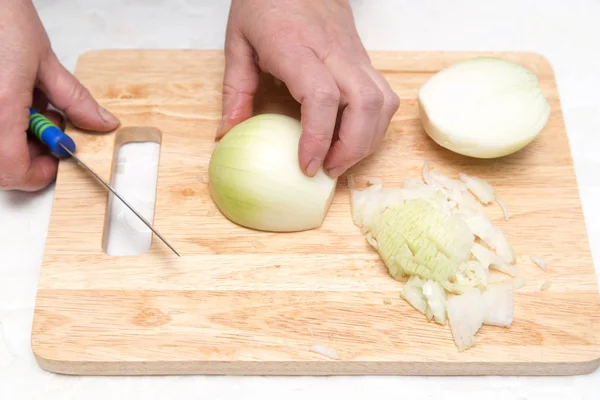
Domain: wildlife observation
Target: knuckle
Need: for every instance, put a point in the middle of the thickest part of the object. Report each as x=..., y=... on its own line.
x=244, y=82
x=369, y=98
x=377, y=142
x=79, y=93
x=358, y=152
x=326, y=95
x=361, y=152
x=393, y=101
x=316, y=138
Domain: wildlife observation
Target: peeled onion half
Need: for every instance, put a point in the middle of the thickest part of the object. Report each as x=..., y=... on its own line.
x=483, y=107
x=256, y=180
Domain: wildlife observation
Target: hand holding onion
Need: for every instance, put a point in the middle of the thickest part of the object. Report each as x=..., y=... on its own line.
x=313, y=47
x=273, y=173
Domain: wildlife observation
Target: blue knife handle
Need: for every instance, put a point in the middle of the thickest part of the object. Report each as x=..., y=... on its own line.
x=50, y=134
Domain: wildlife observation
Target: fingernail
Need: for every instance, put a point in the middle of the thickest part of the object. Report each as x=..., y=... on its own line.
x=313, y=167
x=107, y=116
x=335, y=172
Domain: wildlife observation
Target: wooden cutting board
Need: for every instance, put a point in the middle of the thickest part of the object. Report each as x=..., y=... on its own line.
x=244, y=302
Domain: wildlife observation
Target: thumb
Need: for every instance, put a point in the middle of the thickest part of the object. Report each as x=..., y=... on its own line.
x=67, y=94
x=239, y=83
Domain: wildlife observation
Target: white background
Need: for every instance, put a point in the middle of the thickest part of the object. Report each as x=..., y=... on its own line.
x=566, y=32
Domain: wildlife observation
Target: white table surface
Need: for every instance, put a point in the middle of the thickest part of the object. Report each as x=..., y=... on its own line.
x=565, y=32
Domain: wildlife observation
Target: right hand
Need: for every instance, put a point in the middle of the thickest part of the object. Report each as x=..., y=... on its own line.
x=31, y=75
x=314, y=48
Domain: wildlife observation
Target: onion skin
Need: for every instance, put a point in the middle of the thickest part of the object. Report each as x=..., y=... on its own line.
x=255, y=179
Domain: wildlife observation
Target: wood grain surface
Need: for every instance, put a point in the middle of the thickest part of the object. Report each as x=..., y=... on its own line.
x=245, y=302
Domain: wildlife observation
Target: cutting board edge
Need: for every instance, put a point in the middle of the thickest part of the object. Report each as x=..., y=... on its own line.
x=316, y=368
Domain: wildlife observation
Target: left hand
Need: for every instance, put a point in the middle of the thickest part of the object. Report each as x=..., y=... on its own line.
x=314, y=48
x=32, y=75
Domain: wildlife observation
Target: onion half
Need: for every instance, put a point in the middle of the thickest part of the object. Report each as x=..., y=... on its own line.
x=255, y=179
x=483, y=107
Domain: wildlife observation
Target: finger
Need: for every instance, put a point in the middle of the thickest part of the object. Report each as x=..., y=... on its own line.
x=66, y=93
x=40, y=101
x=42, y=171
x=359, y=126
x=40, y=104
x=55, y=117
x=43, y=166
x=239, y=83
x=391, y=102
x=17, y=170
x=36, y=147
x=315, y=89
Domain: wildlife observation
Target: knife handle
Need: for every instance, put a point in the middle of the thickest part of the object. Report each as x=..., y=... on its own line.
x=50, y=134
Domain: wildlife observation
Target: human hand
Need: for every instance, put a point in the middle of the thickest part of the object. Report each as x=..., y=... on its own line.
x=31, y=75
x=314, y=48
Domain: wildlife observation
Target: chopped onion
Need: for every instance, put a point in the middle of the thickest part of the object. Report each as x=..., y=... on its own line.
x=425, y=231
x=433, y=214
x=490, y=260
x=484, y=192
x=428, y=314
x=436, y=300
x=441, y=242
x=483, y=107
x=426, y=177
x=505, y=268
x=371, y=240
x=256, y=181
x=504, y=208
x=472, y=309
x=472, y=274
x=539, y=262
x=482, y=254
x=483, y=228
x=412, y=292
x=412, y=182
x=479, y=187
x=448, y=183
x=545, y=286
x=499, y=306
x=415, y=281
x=466, y=313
